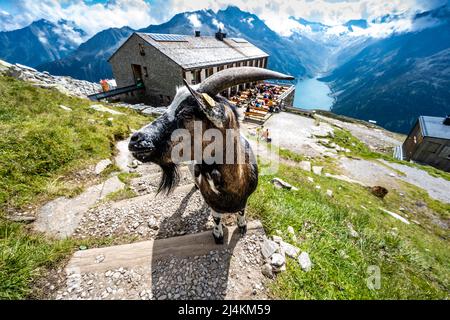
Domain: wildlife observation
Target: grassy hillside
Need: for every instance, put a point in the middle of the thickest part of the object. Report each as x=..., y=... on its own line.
x=413, y=259
x=43, y=148
x=42, y=145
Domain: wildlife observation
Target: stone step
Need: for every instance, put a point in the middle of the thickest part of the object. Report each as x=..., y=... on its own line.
x=61, y=217
x=143, y=253
x=185, y=267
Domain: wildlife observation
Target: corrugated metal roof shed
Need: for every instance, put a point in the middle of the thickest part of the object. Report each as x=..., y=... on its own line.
x=193, y=52
x=434, y=127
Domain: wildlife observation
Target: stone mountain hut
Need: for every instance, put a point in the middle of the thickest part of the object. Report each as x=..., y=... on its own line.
x=162, y=61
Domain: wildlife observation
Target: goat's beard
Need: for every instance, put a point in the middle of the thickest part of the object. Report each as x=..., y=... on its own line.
x=170, y=178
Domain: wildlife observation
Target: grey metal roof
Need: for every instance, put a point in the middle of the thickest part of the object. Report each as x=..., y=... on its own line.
x=434, y=127
x=194, y=52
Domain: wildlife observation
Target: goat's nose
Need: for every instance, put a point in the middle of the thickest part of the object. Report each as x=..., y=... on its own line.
x=136, y=139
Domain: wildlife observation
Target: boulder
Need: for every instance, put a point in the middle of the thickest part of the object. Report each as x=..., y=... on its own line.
x=268, y=248
x=102, y=165
x=278, y=260
x=267, y=271
x=305, y=165
x=290, y=250
x=317, y=170
x=305, y=262
x=379, y=192
x=280, y=184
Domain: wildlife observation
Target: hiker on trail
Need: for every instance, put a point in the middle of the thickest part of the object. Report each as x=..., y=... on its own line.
x=266, y=136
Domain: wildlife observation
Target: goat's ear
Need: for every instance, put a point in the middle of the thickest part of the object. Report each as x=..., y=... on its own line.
x=214, y=111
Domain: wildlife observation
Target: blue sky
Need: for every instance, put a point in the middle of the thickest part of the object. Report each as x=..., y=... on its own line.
x=96, y=15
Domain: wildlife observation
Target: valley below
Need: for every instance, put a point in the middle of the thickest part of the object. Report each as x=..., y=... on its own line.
x=313, y=94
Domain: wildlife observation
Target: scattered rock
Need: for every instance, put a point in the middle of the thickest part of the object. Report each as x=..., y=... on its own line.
x=65, y=108
x=280, y=184
x=278, y=260
x=305, y=165
x=154, y=111
x=134, y=164
x=310, y=179
x=277, y=239
x=330, y=193
x=291, y=230
x=395, y=215
x=267, y=271
x=66, y=85
x=100, y=259
x=268, y=248
x=317, y=170
x=353, y=232
x=22, y=219
x=153, y=223
x=379, y=192
x=289, y=250
x=102, y=165
x=305, y=261
x=102, y=108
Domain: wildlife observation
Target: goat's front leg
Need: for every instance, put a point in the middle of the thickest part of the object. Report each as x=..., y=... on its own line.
x=195, y=171
x=242, y=222
x=218, y=228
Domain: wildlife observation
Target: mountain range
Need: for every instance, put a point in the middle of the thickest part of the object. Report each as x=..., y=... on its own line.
x=40, y=42
x=396, y=79
x=89, y=61
x=378, y=70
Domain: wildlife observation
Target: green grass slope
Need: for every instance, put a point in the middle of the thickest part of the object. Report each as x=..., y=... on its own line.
x=42, y=148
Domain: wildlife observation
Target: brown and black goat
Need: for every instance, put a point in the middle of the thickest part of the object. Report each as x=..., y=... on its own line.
x=226, y=175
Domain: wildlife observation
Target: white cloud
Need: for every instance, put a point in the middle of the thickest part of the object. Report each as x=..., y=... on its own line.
x=90, y=17
x=194, y=20
x=140, y=13
x=218, y=24
x=276, y=13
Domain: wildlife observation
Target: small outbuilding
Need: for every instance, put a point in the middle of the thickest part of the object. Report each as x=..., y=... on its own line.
x=429, y=142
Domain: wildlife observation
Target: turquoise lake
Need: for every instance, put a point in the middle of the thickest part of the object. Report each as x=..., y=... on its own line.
x=313, y=94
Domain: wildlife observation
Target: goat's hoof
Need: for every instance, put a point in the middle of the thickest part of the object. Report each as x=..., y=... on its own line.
x=218, y=240
x=243, y=230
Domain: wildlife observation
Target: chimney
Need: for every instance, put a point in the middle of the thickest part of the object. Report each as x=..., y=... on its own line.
x=220, y=35
x=447, y=120
x=197, y=34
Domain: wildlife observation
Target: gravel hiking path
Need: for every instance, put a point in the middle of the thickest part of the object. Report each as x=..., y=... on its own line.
x=172, y=254
x=375, y=173
x=375, y=138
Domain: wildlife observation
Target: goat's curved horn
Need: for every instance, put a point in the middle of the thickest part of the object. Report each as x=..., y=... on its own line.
x=235, y=76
